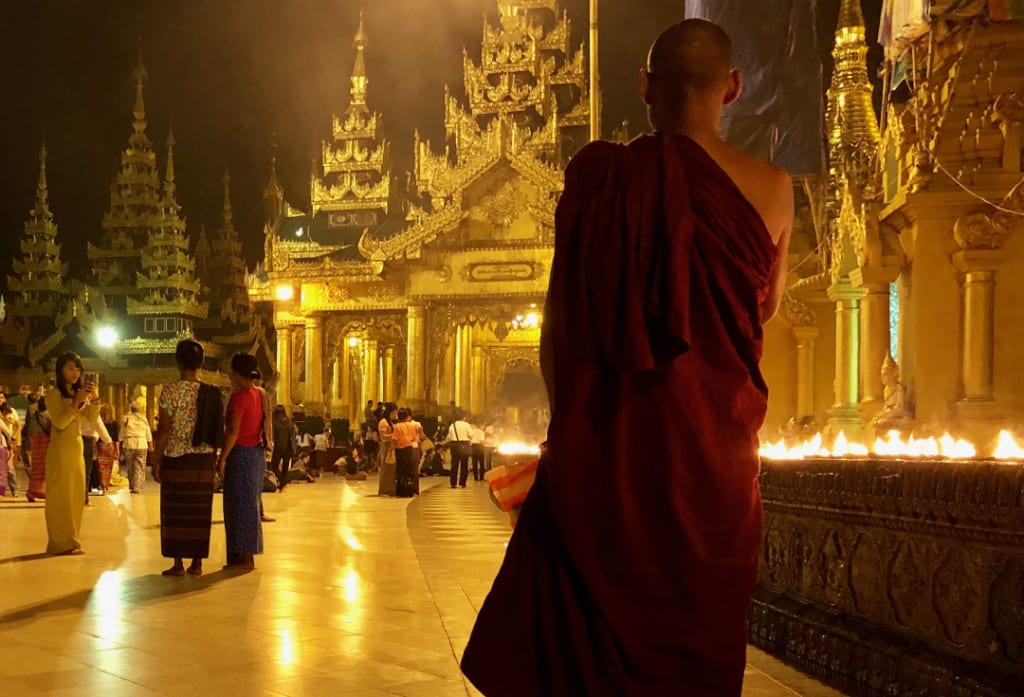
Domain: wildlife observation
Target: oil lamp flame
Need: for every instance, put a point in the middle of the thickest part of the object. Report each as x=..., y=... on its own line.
x=893, y=445
x=517, y=448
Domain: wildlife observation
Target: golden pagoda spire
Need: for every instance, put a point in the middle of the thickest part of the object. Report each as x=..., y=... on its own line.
x=853, y=132
x=140, y=76
x=170, y=189
x=359, y=79
x=228, y=215
x=41, y=211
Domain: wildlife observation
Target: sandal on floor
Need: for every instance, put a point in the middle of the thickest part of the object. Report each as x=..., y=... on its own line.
x=195, y=571
x=175, y=571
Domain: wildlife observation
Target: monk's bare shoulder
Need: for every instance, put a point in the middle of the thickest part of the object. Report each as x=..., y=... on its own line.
x=768, y=188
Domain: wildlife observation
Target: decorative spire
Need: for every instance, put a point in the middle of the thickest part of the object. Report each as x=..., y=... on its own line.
x=42, y=207
x=170, y=189
x=850, y=14
x=140, y=76
x=228, y=216
x=359, y=79
x=852, y=125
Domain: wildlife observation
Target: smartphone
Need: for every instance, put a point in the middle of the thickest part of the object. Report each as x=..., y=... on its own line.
x=91, y=380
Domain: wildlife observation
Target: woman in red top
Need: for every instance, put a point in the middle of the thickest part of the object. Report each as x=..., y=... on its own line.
x=243, y=465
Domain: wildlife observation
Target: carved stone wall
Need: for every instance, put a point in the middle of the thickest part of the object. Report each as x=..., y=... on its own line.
x=896, y=577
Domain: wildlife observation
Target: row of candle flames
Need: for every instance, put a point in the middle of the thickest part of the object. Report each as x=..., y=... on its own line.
x=893, y=445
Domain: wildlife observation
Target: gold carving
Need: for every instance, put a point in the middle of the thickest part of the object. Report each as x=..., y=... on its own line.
x=980, y=231
x=507, y=271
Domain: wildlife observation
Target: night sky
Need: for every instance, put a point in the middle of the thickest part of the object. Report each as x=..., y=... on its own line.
x=231, y=74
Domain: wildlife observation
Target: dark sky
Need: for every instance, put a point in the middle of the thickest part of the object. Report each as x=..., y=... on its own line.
x=232, y=73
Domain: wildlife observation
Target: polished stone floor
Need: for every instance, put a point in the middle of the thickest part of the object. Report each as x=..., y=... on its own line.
x=356, y=595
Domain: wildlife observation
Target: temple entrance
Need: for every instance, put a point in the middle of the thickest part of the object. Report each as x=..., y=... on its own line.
x=521, y=399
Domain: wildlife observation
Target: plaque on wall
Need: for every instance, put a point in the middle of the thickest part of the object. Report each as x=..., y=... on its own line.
x=506, y=271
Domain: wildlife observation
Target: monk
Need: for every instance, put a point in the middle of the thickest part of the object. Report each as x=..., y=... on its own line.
x=634, y=560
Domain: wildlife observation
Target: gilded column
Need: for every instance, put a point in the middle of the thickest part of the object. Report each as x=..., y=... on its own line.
x=476, y=397
x=345, y=388
x=336, y=403
x=314, y=363
x=981, y=239
x=448, y=372
x=151, y=409
x=371, y=372
x=460, y=358
x=805, y=338
x=844, y=415
x=415, y=351
x=284, y=366
x=466, y=396
x=389, y=375
x=875, y=331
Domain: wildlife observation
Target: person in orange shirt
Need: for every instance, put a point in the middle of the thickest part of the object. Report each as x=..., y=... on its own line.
x=407, y=440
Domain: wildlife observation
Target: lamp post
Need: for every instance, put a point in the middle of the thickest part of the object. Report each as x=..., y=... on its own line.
x=595, y=82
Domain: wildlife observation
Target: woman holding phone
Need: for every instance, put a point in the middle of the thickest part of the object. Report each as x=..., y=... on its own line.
x=65, y=463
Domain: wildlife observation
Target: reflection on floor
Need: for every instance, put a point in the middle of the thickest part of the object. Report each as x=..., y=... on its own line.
x=357, y=596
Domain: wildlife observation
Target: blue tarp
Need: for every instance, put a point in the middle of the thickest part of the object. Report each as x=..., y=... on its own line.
x=780, y=116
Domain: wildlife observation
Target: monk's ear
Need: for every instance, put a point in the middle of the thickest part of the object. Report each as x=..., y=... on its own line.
x=645, y=86
x=735, y=88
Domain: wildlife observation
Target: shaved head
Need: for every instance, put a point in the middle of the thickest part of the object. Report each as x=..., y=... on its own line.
x=691, y=60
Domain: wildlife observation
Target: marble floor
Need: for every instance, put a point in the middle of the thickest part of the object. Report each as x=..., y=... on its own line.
x=356, y=595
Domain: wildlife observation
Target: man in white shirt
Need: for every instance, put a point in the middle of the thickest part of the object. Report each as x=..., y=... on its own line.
x=460, y=442
x=477, y=451
x=136, y=442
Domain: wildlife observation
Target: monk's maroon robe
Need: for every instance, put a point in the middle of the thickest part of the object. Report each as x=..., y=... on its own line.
x=634, y=560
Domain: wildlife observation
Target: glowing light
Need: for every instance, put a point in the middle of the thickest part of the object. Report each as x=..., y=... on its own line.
x=893, y=445
x=300, y=232
x=516, y=448
x=353, y=341
x=287, y=648
x=285, y=292
x=1007, y=448
x=530, y=320
x=107, y=336
x=352, y=586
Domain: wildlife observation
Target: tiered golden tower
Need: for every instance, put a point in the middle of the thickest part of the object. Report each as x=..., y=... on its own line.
x=39, y=287
x=353, y=187
x=143, y=267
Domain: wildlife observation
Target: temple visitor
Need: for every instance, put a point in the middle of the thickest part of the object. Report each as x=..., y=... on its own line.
x=284, y=446
x=669, y=257
x=460, y=440
x=321, y=443
x=68, y=404
x=368, y=412
x=37, y=429
x=243, y=465
x=109, y=456
x=8, y=463
x=386, y=457
x=189, y=429
x=136, y=443
x=476, y=449
x=94, y=432
x=407, y=438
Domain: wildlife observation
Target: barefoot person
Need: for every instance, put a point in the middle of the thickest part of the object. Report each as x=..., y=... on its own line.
x=68, y=403
x=190, y=426
x=669, y=257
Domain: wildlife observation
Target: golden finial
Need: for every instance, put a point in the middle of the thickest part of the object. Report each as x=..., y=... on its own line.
x=42, y=188
x=850, y=14
x=359, y=79
x=226, y=179
x=170, y=155
x=140, y=76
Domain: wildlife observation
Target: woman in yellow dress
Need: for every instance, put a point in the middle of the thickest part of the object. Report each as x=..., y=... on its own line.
x=65, y=462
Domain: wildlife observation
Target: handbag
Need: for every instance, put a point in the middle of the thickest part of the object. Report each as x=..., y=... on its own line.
x=391, y=459
x=510, y=484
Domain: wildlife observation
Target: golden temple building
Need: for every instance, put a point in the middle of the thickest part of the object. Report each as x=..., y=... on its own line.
x=431, y=295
